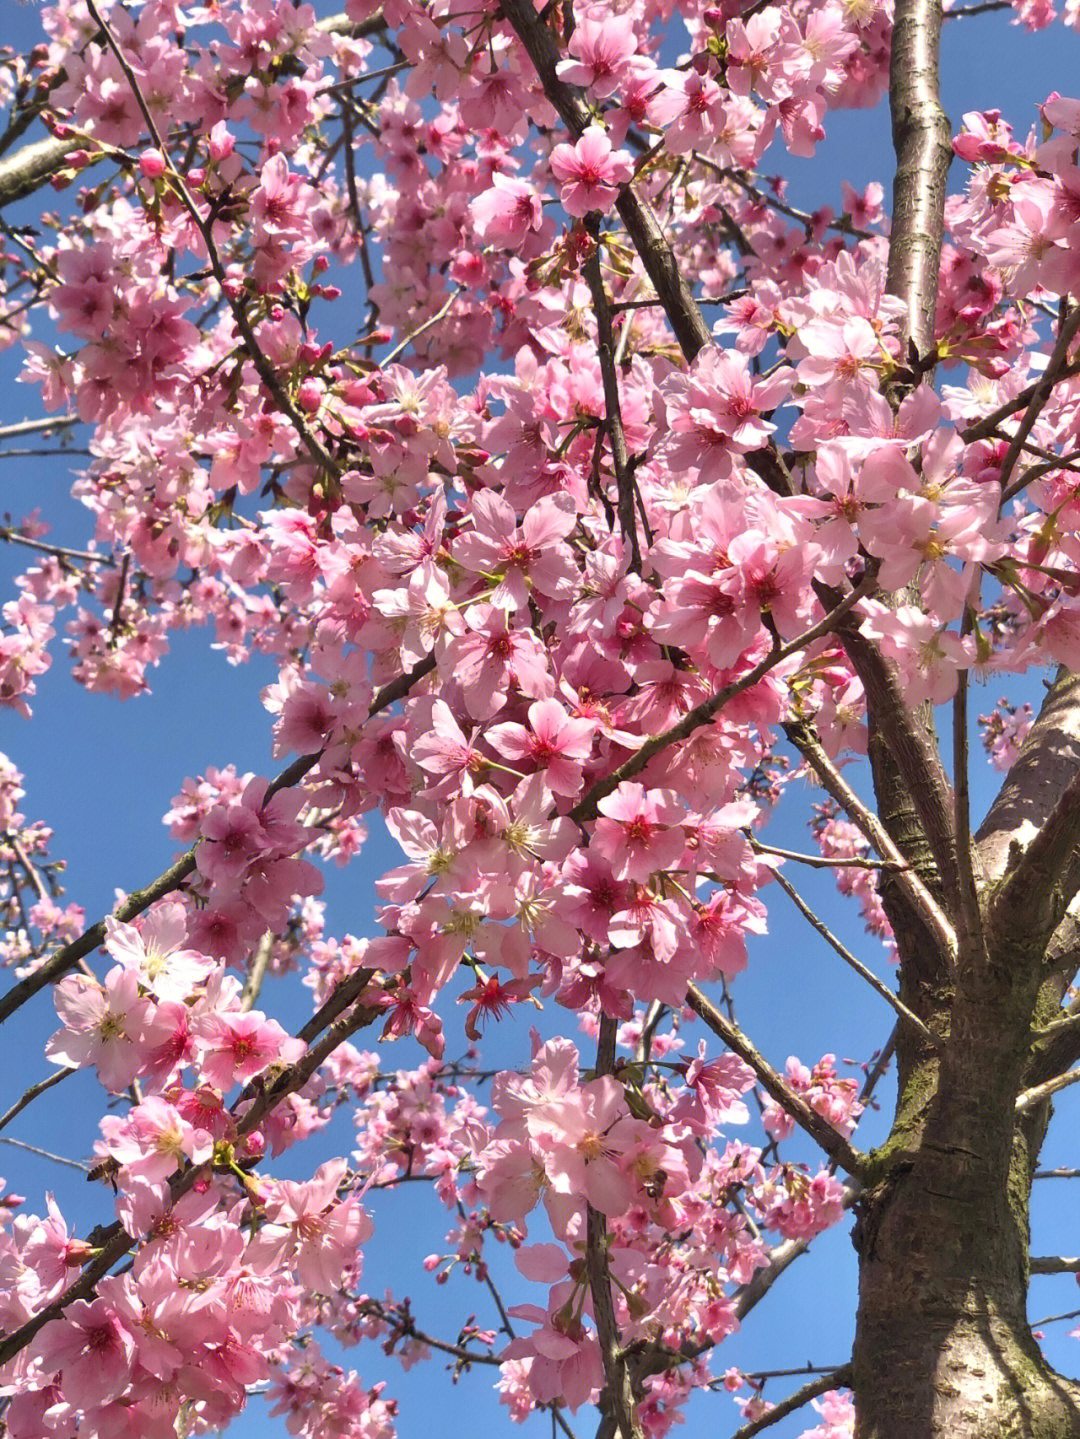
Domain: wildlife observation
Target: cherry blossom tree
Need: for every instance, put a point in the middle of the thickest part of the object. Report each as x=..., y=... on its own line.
x=588, y=499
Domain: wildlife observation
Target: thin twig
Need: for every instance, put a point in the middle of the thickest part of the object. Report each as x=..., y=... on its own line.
x=1055, y=1318
x=605, y=349
x=988, y=425
x=919, y=897
x=1055, y=370
x=983, y=8
x=970, y=939
x=441, y=313
x=44, y=1153
x=32, y=1093
x=257, y=973
x=12, y=537
x=819, y=861
x=876, y=984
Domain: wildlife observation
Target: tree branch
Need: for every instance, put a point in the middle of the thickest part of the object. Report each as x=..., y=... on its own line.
x=912, y=749
x=641, y=223
x=1031, y=1097
x=69, y=956
x=1043, y=881
x=605, y=348
x=1044, y=386
x=837, y=1379
x=704, y=713
x=35, y=165
x=830, y=1140
x=1055, y=1264
x=923, y=154
x=257, y=973
x=619, y=1391
x=32, y=1093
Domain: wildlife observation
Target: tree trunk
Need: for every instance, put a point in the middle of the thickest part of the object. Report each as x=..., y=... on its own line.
x=943, y=1349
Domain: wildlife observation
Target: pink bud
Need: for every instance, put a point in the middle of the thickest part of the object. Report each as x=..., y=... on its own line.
x=309, y=395
x=152, y=164
x=221, y=142
x=432, y=1263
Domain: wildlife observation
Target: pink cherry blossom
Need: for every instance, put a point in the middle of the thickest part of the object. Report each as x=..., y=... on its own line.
x=590, y=172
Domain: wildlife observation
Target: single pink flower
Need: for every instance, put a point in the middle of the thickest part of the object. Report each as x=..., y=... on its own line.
x=638, y=831
x=590, y=172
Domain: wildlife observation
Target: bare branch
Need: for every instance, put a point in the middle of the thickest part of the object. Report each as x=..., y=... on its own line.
x=923, y=153
x=1031, y=1097
x=1055, y=1318
x=425, y=325
x=32, y=1093
x=919, y=898
x=1055, y=369
x=257, y=973
x=983, y=8
x=1069, y=1024
x=46, y=424
x=912, y=748
x=605, y=348
x=820, y=861
x=12, y=536
x=876, y=984
x=44, y=1153
x=969, y=918
x=1055, y=1264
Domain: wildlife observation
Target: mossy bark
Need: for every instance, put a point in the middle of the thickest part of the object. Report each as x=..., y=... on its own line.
x=943, y=1349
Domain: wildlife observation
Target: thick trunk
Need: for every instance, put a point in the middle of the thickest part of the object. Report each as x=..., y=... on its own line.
x=943, y=1349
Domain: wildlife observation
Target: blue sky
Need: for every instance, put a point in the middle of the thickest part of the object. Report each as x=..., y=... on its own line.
x=101, y=773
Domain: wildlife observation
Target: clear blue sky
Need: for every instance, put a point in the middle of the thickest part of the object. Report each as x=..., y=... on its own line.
x=102, y=773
